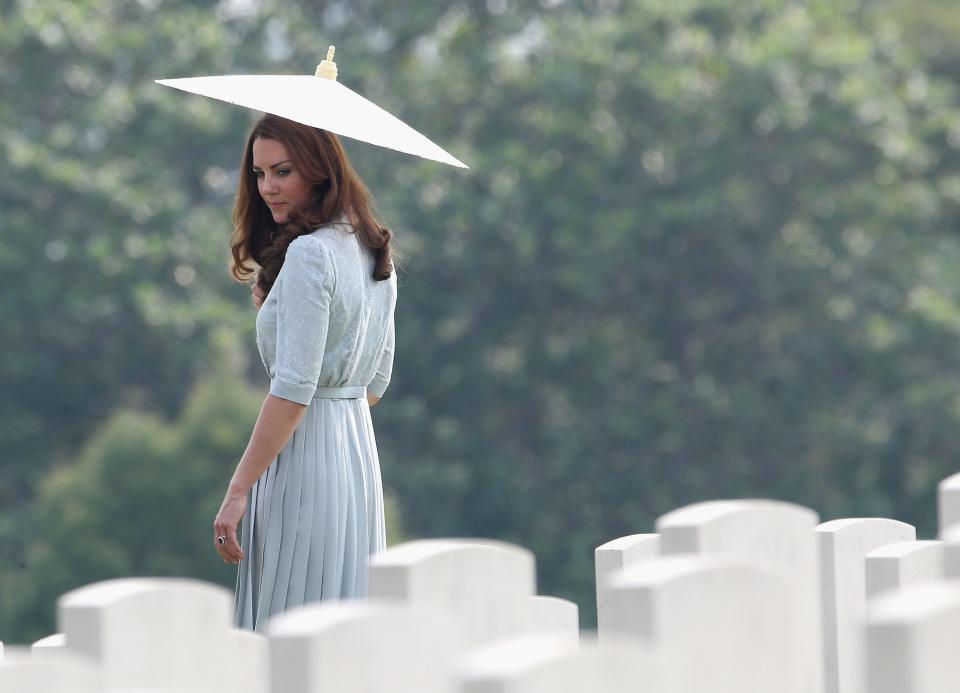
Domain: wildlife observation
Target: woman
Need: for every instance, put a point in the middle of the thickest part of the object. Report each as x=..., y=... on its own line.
x=308, y=485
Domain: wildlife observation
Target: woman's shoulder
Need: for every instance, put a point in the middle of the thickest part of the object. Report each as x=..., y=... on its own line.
x=306, y=244
x=331, y=232
x=323, y=234
x=310, y=254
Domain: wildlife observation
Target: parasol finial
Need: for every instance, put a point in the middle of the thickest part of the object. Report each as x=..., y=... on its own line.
x=327, y=68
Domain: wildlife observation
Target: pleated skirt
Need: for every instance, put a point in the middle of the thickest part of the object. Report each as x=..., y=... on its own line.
x=314, y=517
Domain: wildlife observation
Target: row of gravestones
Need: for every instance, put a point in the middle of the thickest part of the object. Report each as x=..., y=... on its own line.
x=746, y=596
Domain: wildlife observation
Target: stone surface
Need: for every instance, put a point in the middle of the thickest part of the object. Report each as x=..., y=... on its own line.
x=948, y=502
x=772, y=534
x=163, y=632
x=553, y=614
x=912, y=638
x=551, y=663
x=374, y=647
x=484, y=585
x=844, y=545
x=50, y=646
x=713, y=624
x=51, y=641
x=619, y=554
x=895, y=566
x=68, y=673
x=951, y=552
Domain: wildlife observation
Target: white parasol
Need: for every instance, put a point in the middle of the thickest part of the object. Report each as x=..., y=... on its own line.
x=320, y=101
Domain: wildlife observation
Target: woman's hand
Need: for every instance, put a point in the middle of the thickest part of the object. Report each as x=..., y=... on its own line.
x=226, y=525
x=258, y=296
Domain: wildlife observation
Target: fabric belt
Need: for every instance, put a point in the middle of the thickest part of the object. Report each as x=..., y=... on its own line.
x=346, y=392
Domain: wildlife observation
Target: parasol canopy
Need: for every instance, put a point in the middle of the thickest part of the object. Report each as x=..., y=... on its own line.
x=320, y=101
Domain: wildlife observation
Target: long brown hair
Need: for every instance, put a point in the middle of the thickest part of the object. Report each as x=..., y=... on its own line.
x=337, y=190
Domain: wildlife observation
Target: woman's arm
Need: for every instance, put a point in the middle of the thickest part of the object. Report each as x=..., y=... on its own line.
x=258, y=297
x=278, y=420
x=381, y=379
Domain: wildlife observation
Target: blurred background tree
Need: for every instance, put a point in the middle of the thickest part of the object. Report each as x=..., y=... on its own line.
x=705, y=249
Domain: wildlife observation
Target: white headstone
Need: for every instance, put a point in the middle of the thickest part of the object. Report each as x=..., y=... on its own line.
x=372, y=647
x=553, y=614
x=619, y=554
x=52, y=645
x=951, y=552
x=164, y=632
x=770, y=533
x=485, y=585
x=912, y=638
x=713, y=624
x=895, y=566
x=550, y=663
x=948, y=501
x=844, y=545
x=68, y=673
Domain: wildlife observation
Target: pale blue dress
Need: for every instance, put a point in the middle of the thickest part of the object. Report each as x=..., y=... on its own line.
x=326, y=336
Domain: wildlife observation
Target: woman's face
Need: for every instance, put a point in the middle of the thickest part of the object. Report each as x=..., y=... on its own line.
x=280, y=186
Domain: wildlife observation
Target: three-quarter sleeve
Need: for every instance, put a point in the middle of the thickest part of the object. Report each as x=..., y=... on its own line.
x=304, y=288
x=380, y=381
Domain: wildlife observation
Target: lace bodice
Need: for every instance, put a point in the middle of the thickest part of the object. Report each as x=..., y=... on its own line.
x=326, y=321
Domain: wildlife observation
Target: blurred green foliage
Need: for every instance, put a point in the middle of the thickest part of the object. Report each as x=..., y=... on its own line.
x=705, y=249
x=140, y=498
